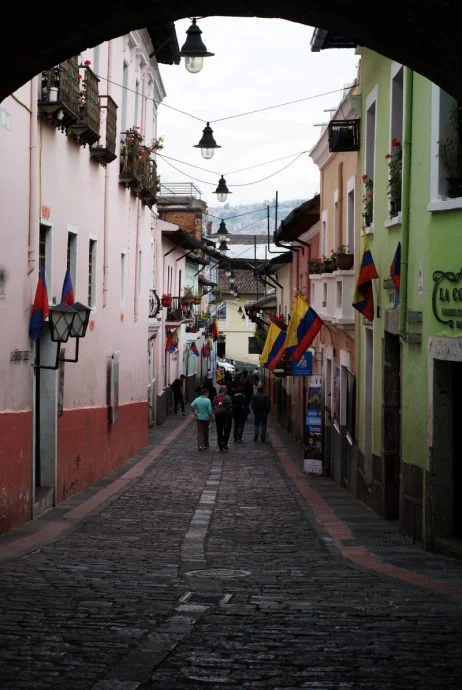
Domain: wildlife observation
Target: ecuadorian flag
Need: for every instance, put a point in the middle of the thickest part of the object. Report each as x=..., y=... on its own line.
x=273, y=349
x=304, y=325
x=363, y=299
x=40, y=308
x=194, y=349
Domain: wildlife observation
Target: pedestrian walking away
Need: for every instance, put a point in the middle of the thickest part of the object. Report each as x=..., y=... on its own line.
x=202, y=410
x=178, y=397
x=261, y=406
x=240, y=413
x=223, y=414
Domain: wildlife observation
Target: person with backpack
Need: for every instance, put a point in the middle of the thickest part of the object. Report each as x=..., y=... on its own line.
x=223, y=413
x=240, y=413
x=261, y=406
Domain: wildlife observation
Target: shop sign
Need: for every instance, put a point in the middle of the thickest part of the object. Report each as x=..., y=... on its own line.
x=447, y=298
x=312, y=462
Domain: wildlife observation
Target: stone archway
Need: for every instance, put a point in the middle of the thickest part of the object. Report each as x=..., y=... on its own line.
x=424, y=36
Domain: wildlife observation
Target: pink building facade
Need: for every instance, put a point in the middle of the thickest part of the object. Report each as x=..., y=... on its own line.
x=68, y=203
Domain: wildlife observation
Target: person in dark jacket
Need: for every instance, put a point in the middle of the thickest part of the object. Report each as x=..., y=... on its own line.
x=178, y=397
x=261, y=406
x=248, y=387
x=240, y=413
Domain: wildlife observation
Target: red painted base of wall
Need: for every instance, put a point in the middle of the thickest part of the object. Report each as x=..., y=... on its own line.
x=89, y=447
x=15, y=469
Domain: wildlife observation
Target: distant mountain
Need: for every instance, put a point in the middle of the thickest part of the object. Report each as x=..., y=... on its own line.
x=250, y=218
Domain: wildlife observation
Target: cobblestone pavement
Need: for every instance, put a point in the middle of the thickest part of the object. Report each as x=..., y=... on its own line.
x=208, y=570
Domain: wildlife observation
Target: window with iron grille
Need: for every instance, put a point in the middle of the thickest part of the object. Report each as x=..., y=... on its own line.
x=92, y=273
x=45, y=252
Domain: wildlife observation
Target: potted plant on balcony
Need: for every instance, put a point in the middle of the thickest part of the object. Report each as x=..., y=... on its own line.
x=345, y=258
x=326, y=263
x=187, y=297
x=395, y=176
x=166, y=300
x=368, y=200
x=314, y=266
x=450, y=152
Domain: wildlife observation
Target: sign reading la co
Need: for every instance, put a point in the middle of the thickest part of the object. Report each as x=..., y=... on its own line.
x=447, y=298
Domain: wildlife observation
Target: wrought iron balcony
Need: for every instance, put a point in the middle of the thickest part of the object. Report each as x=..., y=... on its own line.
x=154, y=304
x=174, y=311
x=148, y=180
x=343, y=135
x=86, y=130
x=104, y=151
x=59, y=101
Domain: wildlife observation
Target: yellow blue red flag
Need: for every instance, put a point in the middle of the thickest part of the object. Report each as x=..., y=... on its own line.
x=304, y=325
x=273, y=349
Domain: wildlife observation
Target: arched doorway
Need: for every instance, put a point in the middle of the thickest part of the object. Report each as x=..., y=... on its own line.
x=425, y=36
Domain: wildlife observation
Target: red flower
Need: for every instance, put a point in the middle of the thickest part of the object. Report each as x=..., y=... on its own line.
x=79, y=76
x=87, y=62
x=395, y=142
x=364, y=178
x=388, y=155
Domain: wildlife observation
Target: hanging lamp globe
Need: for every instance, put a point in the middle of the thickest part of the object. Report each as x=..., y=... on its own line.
x=222, y=190
x=222, y=232
x=223, y=248
x=194, y=50
x=207, y=144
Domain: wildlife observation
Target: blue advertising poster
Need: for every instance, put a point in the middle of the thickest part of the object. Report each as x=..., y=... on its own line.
x=304, y=367
x=313, y=427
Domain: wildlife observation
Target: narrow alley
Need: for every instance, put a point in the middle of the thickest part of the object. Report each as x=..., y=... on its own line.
x=213, y=570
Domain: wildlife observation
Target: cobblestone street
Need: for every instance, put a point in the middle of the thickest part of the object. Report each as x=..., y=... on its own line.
x=211, y=570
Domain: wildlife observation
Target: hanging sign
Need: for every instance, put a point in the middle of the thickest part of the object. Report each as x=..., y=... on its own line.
x=304, y=367
x=447, y=298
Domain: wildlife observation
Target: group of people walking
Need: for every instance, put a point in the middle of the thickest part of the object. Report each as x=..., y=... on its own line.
x=230, y=407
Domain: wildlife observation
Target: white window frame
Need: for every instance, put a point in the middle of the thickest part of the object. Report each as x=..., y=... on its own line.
x=396, y=123
x=123, y=276
x=73, y=230
x=324, y=219
x=438, y=201
x=48, y=259
x=351, y=218
x=370, y=159
x=336, y=241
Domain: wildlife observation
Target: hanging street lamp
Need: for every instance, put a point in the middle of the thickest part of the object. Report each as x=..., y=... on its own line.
x=223, y=248
x=194, y=50
x=222, y=190
x=222, y=232
x=207, y=143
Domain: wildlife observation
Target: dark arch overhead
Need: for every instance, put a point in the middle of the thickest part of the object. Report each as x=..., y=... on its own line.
x=424, y=35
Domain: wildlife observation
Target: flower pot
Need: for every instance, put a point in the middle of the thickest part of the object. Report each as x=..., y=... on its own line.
x=345, y=261
x=166, y=302
x=53, y=94
x=368, y=219
x=454, y=187
x=327, y=266
x=334, y=263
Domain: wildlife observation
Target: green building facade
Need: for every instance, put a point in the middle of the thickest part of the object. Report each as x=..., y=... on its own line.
x=409, y=399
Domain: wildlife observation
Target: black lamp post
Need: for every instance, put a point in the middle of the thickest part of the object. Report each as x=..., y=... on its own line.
x=207, y=143
x=66, y=322
x=194, y=50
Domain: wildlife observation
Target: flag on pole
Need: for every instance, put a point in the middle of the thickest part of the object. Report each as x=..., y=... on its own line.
x=273, y=349
x=194, y=349
x=40, y=308
x=363, y=299
x=205, y=350
x=67, y=295
x=215, y=332
x=304, y=325
x=171, y=343
x=395, y=272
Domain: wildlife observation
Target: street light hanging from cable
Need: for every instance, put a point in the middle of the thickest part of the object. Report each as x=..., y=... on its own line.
x=194, y=50
x=222, y=190
x=207, y=143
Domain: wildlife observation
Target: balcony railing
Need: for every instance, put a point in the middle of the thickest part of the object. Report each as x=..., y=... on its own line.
x=59, y=101
x=332, y=296
x=86, y=130
x=175, y=312
x=104, y=151
x=154, y=304
x=148, y=180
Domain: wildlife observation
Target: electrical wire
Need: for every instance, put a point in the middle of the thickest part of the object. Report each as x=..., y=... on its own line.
x=228, y=117
x=246, y=184
x=232, y=172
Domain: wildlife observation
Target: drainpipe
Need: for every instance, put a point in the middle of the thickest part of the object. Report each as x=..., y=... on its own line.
x=406, y=167
x=106, y=188
x=34, y=201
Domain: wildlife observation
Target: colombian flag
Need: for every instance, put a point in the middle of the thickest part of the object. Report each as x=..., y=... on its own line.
x=67, y=295
x=273, y=350
x=40, y=308
x=304, y=325
x=363, y=299
x=194, y=349
x=395, y=272
x=215, y=332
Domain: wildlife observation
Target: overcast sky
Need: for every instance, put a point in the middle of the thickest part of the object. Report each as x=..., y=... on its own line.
x=257, y=63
